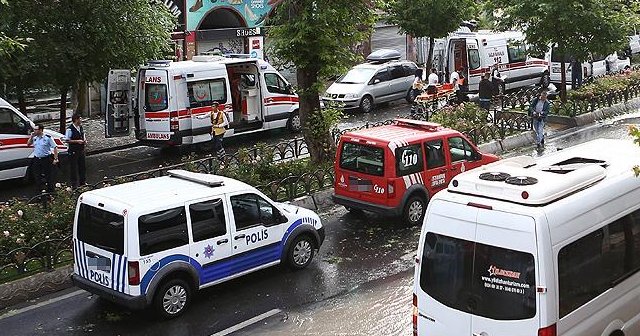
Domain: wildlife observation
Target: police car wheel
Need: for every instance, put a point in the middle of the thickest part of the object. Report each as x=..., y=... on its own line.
x=173, y=298
x=301, y=252
x=414, y=210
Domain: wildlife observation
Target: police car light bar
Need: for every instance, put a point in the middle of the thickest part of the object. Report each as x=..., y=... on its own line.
x=428, y=126
x=204, y=179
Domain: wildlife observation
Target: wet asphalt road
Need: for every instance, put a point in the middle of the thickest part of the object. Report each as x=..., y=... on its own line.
x=141, y=158
x=358, y=249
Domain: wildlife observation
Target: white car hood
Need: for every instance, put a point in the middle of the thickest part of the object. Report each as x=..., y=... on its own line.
x=341, y=88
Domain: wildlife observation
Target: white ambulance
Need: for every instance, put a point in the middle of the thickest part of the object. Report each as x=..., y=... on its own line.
x=478, y=52
x=15, y=154
x=524, y=247
x=157, y=241
x=172, y=101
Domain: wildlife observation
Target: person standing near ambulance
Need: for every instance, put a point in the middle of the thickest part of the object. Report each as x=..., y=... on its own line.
x=43, y=161
x=77, y=144
x=218, y=123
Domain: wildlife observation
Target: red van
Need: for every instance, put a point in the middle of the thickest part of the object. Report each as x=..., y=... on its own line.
x=395, y=169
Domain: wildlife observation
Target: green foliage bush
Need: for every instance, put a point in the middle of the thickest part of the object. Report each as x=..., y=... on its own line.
x=463, y=117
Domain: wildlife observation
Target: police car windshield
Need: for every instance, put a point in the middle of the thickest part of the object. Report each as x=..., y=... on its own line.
x=362, y=158
x=356, y=76
x=483, y=280
x=101, y=229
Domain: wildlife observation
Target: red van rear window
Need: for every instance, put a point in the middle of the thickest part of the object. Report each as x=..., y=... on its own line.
x=363, y=159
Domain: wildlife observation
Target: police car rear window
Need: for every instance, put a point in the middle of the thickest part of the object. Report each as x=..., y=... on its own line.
x=100, y=228
x=362, y=158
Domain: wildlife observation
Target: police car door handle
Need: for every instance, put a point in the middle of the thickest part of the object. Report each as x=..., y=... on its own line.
x=240, y=236
x=222, y=241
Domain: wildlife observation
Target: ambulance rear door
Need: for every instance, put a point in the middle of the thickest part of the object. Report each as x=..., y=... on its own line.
x=154, y=100
x=117, y=118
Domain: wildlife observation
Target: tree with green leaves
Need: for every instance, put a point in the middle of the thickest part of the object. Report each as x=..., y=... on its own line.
x=429, y=18
x=78, y=41
x=577, y=28
x=318, y=36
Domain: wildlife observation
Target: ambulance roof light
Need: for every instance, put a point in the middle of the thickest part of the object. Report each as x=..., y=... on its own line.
x=204, y=179
x=159, y=63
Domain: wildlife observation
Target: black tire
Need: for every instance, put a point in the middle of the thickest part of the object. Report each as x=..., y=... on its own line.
x=178, y=297
x=28, y=177
x=366, y=104
x=294, y=124
x=410, y=98
x=353, y=210
x=545, y=81
x=301, y=252
x=414, y=210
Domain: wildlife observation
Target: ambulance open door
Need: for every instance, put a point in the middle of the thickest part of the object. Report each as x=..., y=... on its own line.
x=117, y=118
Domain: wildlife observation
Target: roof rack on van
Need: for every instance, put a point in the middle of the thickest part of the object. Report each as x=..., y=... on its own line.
x=204, y=179
x=425, y=125
x=383, y=56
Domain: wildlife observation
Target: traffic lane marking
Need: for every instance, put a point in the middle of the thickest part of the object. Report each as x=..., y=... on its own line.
x=247, y=323
x=17, y=312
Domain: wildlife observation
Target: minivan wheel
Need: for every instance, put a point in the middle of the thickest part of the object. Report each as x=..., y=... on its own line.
x=173, y=298
x=545, y=81
x=301, y=252
x=410, y=97
x=294, y=124
x=366, y=104
x=414, y=210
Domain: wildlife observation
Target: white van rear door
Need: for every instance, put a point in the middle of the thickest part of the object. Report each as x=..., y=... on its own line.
x=156, y=105
x=442, y=281
x=504, y=276
x=117, y=122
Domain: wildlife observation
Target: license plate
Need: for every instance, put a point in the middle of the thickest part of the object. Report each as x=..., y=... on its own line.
x=158, y=135
x=357, y=184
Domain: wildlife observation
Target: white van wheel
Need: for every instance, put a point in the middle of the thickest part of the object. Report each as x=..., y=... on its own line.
x=414, y=210
x=366, y=104
x=294, y=124
x=501, y=89
x=301, y=252
x=173, y=298
x=545, y=81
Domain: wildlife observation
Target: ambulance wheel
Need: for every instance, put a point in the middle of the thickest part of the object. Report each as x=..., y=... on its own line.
x=173, y=298
x=366, y=104
x=301, y=252
x=294, y=124
x=414, y=210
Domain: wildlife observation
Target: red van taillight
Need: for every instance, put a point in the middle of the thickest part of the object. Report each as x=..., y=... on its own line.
x=391, y=189
x=134, y=273
x=174, y=122
x=548, y=331
x=415, y=315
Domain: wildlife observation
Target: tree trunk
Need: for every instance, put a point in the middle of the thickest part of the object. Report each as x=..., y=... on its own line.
x=318, y=144
x=81, y=99
x=63, y=109
x=22, y=103
x=429, y=62
x=563, y=74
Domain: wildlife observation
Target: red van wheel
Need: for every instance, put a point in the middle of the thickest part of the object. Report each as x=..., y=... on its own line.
x=414, y=210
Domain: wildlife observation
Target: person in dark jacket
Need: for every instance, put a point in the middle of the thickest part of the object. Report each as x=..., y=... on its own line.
x=77, y=144
x=538, y=111
x=485, y=91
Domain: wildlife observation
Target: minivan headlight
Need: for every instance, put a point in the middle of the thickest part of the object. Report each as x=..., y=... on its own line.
x=351, y=95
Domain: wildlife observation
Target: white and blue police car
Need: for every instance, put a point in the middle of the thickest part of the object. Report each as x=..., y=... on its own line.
x=154, y=242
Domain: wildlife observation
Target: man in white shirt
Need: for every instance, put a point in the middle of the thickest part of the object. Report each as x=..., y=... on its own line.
x=433, y=81
x=453, y=79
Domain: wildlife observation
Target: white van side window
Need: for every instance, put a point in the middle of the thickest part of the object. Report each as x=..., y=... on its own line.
x=11, y=123
x=162, y=230
x=207, y=92
x=275, y=84
x=207, y=220
x=517, y=51
x=598, y=261
x=474, y=59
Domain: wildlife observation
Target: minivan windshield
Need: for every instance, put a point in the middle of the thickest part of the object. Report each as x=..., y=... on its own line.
x=479, y=279
x=364, y=159
x=356, y=76
x=100, y=228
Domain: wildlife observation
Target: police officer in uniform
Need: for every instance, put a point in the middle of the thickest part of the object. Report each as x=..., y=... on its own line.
x=43, y=161
x=77, y=142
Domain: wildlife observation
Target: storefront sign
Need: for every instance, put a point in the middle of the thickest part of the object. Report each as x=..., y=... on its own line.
x=245, y=32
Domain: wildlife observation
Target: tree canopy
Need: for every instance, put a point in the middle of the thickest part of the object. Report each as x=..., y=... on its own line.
x=319, y=37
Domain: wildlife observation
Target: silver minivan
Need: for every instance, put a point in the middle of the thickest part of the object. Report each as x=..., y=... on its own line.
x=368, y=84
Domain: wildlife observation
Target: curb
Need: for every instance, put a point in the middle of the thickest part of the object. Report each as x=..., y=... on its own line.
x=35, y=286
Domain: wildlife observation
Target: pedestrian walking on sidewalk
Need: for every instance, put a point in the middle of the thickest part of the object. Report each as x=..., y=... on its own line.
x=485, y=91
x=43, y=159
x=218, y=123
x=77, y=152
x=538, y=111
